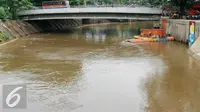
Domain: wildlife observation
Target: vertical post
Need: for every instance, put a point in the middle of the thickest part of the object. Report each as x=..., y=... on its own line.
x=163, y=23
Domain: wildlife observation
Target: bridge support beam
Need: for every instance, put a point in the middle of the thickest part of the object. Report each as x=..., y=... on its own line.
x=55, y=25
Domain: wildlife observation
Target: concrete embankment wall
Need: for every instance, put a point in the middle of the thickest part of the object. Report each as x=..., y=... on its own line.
x=194, y=50
x=180, y=29
x=16, y=29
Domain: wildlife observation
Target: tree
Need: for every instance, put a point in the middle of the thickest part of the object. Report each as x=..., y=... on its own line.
x=10, y=7
x=16, y=5
x=37, y=2
x=107, y=2
x=183, y=4
x=74, y=2
x=2, y=13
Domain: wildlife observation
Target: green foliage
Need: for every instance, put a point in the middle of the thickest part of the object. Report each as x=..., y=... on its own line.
x=3, y=37
x=183, y=4
x=37, y=2
x=10, y=7
x=2, y=13
x=74, y=2
x=107, y=2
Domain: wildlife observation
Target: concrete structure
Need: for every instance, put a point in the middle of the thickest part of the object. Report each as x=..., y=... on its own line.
x=54, y=25
x=180, y=29
x=15, y=29
x=194, y=50
x=136, y=13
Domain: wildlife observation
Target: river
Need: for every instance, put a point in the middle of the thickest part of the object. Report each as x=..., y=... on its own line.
x=89, y=70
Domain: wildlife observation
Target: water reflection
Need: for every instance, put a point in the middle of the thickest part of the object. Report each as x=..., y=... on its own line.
x=118, y=31
x=176, y=90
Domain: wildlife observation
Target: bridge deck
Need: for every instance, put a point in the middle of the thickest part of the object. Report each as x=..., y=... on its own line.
x=138, y=13
x=135, y=10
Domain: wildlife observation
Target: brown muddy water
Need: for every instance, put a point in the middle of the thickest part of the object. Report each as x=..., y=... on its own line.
x=89, y=70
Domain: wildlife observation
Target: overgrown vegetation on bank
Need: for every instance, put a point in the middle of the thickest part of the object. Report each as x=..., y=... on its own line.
x=3, y=37
x=8, y=9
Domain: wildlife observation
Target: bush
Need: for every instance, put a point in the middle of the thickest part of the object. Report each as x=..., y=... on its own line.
x=3, y=37
x=2, y=13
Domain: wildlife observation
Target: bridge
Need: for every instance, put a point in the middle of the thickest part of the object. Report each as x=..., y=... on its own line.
x=133, y=13
x=62, y=18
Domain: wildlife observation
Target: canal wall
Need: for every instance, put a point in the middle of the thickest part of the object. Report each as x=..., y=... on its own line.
x=10, y=29
x=180, y=29
x=194, y=50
